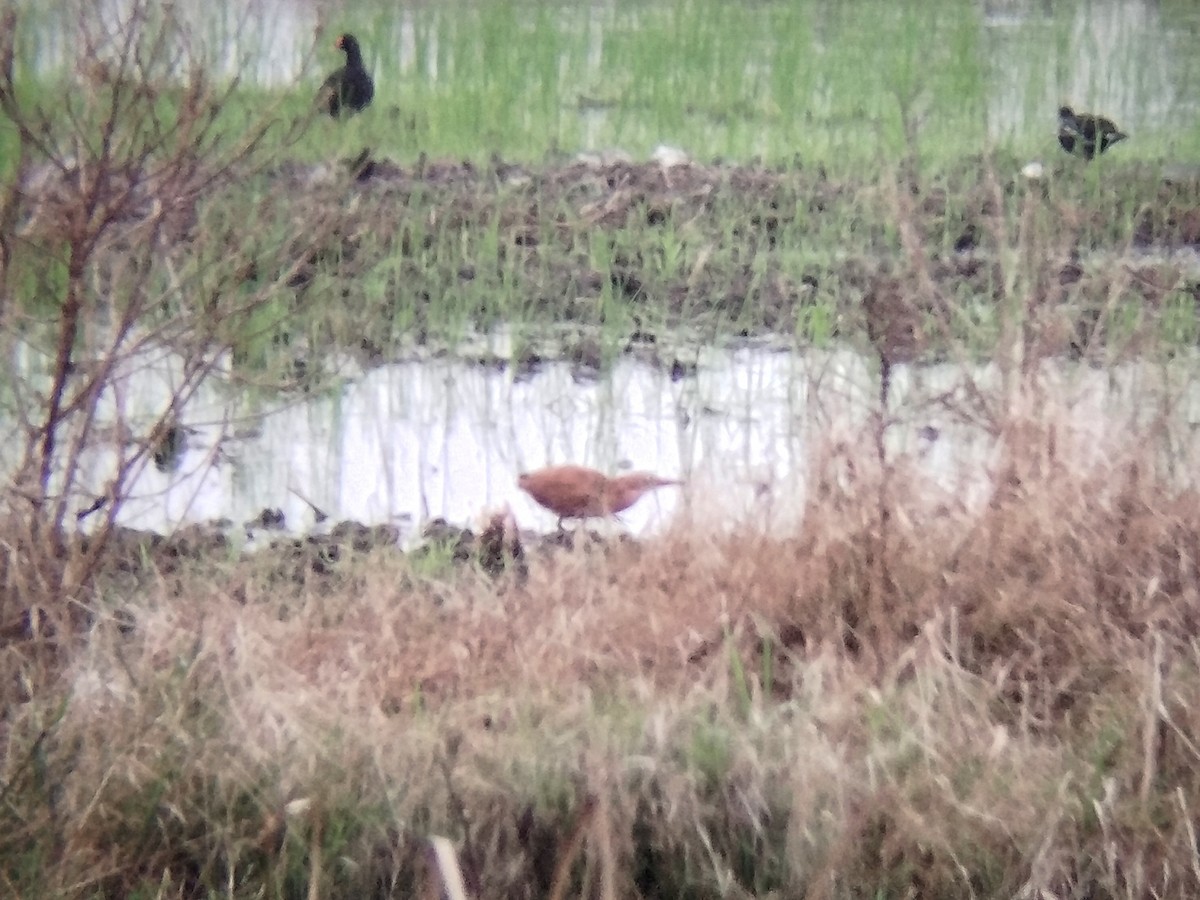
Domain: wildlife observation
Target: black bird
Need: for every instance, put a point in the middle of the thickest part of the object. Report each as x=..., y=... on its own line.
x=1085, y=134
x=350, y=88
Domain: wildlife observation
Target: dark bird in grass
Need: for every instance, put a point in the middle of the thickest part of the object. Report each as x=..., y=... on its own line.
x=350, y=88
x=1084, y=134
x=576, y=492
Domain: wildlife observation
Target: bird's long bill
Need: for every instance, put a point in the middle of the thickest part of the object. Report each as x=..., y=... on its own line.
x=657, y=481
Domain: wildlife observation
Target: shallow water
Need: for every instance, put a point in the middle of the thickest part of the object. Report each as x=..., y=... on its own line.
x=407, y=442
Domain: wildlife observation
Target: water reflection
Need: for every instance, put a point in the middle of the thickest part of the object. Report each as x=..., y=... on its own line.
x=407, y=442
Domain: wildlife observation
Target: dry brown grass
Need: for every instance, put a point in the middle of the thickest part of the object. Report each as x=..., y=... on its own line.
x=1008, y=710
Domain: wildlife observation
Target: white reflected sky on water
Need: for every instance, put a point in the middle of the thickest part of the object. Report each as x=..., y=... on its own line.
x=411, y=441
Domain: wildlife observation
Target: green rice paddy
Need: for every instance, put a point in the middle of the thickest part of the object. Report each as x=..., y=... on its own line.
x=838, y=85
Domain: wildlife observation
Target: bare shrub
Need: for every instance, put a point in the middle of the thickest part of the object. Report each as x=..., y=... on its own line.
x=128, y=253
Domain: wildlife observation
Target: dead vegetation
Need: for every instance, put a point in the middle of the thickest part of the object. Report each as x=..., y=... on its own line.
x=724, y=710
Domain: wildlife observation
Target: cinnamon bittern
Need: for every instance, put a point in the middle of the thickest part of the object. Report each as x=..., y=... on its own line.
x=577, y=492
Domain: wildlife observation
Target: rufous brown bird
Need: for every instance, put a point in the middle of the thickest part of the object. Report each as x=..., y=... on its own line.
x=577, y=492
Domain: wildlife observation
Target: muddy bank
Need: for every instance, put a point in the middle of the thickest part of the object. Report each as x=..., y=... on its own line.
x=610, y=257
x=495, y=547
x=912, y=265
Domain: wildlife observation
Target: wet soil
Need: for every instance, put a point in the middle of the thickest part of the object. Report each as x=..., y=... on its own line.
x=615, y=256
x=911, y=266
x=297, y=558
x=495, y=548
